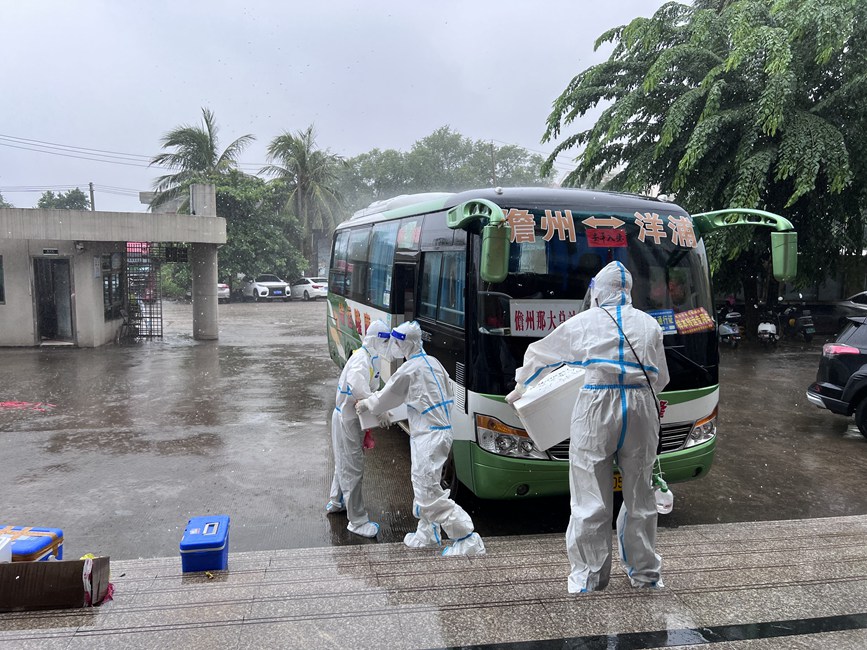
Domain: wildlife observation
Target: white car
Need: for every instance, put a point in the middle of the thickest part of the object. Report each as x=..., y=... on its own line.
x=310, y=288
x=266, y=287
x=223, y=292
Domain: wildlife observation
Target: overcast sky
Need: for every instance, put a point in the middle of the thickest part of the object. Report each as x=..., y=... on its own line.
x=115, y=76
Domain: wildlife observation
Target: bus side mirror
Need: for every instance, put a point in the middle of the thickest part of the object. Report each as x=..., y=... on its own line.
x=495, y=253
x=784, y=251
x=495, y=235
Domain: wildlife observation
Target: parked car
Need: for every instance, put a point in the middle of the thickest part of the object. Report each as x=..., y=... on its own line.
x=266, y=287
x=223, y=293
x=853, y=306
x=841, y=382
x=310, y=288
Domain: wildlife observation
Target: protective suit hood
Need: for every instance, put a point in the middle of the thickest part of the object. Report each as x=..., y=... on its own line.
x=612, y=286
x=377, y=339
x=405, y=340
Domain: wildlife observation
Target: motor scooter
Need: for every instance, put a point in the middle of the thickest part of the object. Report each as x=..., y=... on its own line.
x=733, y=321
x=797, y=322
x=728, y=330
x=768, y=333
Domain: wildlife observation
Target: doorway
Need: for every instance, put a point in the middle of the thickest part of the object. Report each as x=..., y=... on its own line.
x=53, y=285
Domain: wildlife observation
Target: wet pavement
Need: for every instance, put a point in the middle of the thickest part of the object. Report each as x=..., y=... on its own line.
x=748, y=586
x=119, y=446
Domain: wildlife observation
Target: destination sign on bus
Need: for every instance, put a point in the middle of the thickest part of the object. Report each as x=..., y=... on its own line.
x=539, y=317
x=601, y=232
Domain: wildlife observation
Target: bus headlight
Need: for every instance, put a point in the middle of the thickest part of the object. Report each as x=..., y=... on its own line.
x=497, y=437
x=702, y=431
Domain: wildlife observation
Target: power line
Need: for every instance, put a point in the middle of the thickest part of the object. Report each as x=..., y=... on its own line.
x=55, y=145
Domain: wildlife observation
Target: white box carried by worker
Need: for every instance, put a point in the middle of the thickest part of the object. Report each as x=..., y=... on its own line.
x=546, y=408
x=370, y=421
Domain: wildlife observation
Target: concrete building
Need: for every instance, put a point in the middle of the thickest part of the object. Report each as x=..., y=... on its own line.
x=63, y=273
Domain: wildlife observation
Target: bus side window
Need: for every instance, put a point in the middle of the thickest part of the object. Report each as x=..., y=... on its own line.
x=429, y=285
x=381, y=260
x=356, y=268
x=450, y=307
x=337, y=280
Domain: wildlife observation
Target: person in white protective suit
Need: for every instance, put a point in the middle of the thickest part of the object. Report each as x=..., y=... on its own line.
x=615, y=419
x=360, y=377
x=423, y=385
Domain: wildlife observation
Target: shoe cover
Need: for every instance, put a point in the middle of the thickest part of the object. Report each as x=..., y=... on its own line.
x=334, y=506
x=472, y=544
x=367, y=529
x=640, y=584
x=426, y=535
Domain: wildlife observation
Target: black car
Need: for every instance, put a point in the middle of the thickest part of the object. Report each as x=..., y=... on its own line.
x=841, y=383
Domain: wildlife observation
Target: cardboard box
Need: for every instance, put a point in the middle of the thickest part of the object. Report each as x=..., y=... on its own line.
x=30, y=544
x=546, y=408
x=205, y=544
x=53, y=585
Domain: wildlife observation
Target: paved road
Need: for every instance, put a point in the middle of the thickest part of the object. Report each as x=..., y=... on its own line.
x=141, y=437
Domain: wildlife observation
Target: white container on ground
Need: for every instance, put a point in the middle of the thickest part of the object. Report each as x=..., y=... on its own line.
x=546, y=408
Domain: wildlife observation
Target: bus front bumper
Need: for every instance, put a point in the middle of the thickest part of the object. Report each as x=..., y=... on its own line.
x=490, y=476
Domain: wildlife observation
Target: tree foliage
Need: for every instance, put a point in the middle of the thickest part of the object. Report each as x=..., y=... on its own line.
x=70, y=200
x=734, y=103
x=308, y=179
x=443, y=161
x=260, y=237
x=193, y=151
x=4, y=203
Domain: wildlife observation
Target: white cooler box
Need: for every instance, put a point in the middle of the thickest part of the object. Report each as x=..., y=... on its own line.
x=546, y=408
x=370, y=421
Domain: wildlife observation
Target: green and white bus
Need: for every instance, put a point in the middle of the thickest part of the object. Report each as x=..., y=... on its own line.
x=487, y=272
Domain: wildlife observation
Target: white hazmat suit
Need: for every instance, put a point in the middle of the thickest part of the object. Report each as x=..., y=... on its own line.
x=360, y=377
x=615, y=418
x=423, y=385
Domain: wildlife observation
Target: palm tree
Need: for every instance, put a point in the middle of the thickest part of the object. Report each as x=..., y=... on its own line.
x=195, y=157
x=310, y=179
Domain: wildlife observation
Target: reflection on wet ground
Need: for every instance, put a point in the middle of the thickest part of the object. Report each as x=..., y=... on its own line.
x=142, y=437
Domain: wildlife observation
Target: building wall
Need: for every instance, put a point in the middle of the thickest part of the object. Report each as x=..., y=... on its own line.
x=18, y=325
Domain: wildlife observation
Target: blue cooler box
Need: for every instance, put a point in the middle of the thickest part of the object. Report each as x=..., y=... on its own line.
x=31, y=544
x=205, y=544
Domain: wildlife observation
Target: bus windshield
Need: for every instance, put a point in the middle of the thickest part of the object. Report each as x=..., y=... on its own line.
x=664, y=278
x=548, y=282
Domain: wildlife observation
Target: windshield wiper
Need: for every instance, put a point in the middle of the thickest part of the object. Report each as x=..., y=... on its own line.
x=682, y=357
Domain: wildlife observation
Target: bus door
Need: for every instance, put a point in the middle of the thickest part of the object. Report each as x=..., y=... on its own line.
x=404, y=291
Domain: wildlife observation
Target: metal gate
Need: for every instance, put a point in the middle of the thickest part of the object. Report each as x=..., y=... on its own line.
x=144, y=293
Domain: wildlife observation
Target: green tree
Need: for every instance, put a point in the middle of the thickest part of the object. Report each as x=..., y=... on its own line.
x=443, y=161
x=308, y=179
x=734, y=103
x=259, y=237
x=4, y=203
x=195, y=155
x=70, y=200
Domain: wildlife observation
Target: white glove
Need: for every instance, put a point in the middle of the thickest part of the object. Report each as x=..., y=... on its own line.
x=516, y=394
x=384, y=421
x=361, y=406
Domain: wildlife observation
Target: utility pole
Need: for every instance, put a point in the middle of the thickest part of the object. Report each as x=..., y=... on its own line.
x=92, y=204
x=493, y=165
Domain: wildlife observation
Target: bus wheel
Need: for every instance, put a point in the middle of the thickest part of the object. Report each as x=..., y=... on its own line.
x=449, y=477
